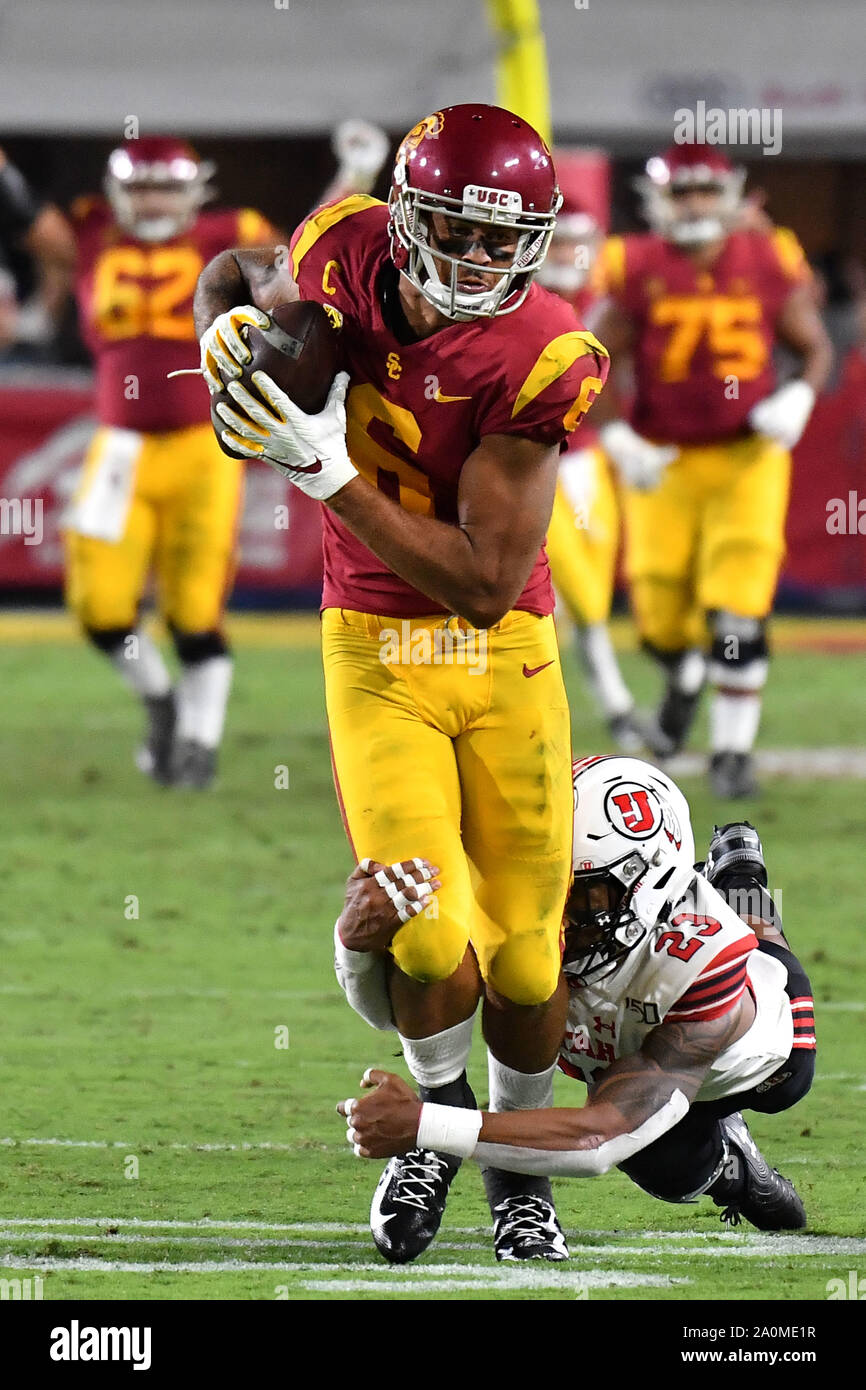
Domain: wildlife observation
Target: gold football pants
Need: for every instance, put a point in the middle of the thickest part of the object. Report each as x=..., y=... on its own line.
x=454, y=744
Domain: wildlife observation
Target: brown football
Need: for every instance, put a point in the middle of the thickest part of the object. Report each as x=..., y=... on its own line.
x=300, y=352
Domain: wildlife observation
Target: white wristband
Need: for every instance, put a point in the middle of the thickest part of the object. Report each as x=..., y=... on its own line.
x=447, y=1129
x=357, y=962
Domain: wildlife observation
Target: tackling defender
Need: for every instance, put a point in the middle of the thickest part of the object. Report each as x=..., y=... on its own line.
x=437, y=469
x=696, y=306
x=682, y=1013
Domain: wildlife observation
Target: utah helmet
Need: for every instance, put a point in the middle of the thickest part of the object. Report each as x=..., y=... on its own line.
x=680, y=170
x=633, y=860
x=485, y=166
x=156, y=163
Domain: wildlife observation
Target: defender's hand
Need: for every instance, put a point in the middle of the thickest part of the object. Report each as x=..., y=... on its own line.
x=309, y=450
x=639, y=463
x=385, y=1122
x=783, y=416
x=380, y=898
x=222, y=345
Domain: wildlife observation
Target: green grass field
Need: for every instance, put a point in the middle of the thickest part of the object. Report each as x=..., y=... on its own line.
x=157, y=1144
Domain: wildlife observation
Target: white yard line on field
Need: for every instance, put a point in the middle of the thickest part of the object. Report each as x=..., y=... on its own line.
x=421, y=1278
x=503, y=1280
x=725, y=1240
x=784, y=762
x=727, y=1244
x=143, y=1143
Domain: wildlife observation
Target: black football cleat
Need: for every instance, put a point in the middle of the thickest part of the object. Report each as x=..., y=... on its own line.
x=732, y=775
x=526, y=1228
x=193, y=765
x=736, y=849
x=668, y=729
x=629, y=732
x=409, y=1202
x=154, y=757
x=766, y=1199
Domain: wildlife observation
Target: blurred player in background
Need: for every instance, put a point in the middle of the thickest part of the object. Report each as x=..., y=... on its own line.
x=438, y=476
x=583, y=536
x=156, y=491
x=695, y=307
x=35, y=229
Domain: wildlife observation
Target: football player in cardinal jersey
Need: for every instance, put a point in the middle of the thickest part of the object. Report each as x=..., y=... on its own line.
x=583, y=535
x=156, y=491
x=695, y=307
x=436, y=459
x=682, y=1012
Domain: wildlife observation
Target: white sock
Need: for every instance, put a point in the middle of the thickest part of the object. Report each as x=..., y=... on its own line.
x=441, y=1058
x=518, y=1090
x=599, y=659
x=691, y=672
x=203, y=693
x=139, y=663
x=734, y=721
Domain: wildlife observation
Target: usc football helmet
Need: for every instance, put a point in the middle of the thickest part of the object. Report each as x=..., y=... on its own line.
x=633, y=859
x=156, y=165
x=683, y=170
x=483, y=167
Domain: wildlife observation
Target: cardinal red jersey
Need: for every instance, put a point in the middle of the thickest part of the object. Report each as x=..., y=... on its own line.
x=703, y=339
x=417, y=409
x=135, y=307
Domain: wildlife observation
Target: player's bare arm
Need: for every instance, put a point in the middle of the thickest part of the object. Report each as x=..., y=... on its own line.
x=479, y=567
x=245, y=275
x=800, y=328
x=674, y=1057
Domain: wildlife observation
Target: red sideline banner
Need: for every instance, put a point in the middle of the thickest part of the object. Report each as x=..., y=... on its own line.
x=46, y=423
x=827, y=519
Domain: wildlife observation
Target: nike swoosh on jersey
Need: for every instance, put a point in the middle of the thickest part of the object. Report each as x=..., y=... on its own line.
x=534, y=670
x=443, y=400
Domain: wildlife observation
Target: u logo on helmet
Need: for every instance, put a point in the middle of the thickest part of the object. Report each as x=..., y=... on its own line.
x=633, y=810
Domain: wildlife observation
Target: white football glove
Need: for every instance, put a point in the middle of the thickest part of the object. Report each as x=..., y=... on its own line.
x=309, y=450
x=784, y=415
x=361, y=150
x=639, y=463
x=222, y=345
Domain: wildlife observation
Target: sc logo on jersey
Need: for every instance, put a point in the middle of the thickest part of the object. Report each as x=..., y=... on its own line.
x=633, y=810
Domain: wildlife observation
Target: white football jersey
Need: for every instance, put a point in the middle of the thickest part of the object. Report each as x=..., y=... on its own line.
x=693, y=967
